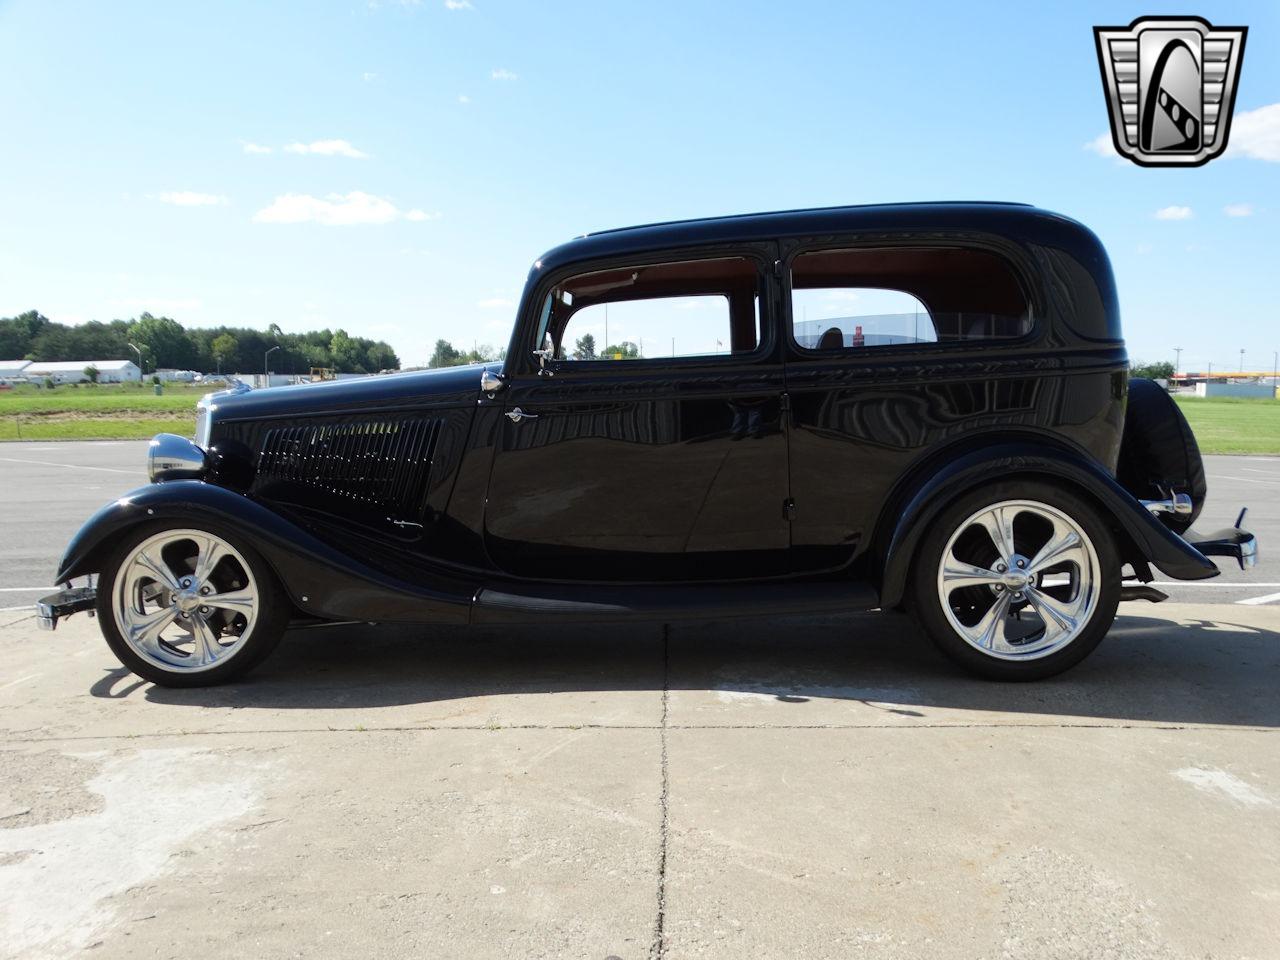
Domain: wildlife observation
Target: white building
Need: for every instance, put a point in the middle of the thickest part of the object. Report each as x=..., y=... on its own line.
x=12, y=370
x=72, y=371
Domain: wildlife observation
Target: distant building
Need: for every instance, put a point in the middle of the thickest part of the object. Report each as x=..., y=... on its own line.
x=168, y=375
x=72, y=371
x=12, y=370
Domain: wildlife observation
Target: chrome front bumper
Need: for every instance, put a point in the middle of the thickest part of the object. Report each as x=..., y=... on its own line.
x=51, y=609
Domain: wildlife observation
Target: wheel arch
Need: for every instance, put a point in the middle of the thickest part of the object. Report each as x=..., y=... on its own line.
x=320, y=580
x=1140, y=538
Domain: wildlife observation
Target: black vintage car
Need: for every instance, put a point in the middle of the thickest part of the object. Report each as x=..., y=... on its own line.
x=922, y=406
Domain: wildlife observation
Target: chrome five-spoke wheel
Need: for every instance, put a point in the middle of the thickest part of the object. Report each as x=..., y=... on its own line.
x=185, y=601
x=188, y=607
x=1019, y=580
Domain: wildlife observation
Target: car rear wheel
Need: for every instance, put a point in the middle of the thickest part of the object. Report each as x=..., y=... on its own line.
x=1017, y=581
x=189, y=607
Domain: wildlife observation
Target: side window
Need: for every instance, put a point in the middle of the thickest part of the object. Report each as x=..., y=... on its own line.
x=692, y=308
x=886, y=296
x=864, y=317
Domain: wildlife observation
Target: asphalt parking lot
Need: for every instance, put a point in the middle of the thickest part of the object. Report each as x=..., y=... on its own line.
x=801, y=788
x=50, y=489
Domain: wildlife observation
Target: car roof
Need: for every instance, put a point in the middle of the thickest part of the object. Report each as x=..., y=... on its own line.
x=1017, y=221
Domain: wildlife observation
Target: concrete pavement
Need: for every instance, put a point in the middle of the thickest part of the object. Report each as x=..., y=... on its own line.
x=805, y=788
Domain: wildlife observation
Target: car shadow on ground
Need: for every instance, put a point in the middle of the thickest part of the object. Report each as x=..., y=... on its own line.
x=1147, y=670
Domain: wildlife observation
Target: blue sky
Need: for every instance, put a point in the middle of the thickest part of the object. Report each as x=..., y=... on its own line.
x=394, y=168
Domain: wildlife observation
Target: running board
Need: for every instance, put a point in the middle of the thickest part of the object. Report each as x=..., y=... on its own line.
x=512, y=603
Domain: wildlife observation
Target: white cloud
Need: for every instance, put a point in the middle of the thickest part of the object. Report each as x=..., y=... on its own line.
x=501, y=73
x=368, y=76
x=1256, y=133
x=189, y=198
x=1102, y=145
x=254, y=147
x=458, y=5
x=1174, y=213
x=841, y=295
x=463, y=98
x=420, y=216
x=335, y=210
x=1238, y=209
x=327, y=148
x=493, y=303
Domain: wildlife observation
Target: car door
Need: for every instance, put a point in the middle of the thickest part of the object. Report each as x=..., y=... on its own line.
x=895, y=348
x=648, y=447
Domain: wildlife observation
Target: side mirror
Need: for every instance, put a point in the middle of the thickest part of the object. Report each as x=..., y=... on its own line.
x=491, y=382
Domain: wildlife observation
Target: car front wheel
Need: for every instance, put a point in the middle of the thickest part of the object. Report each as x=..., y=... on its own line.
x=189, y=607
x=1017, y=581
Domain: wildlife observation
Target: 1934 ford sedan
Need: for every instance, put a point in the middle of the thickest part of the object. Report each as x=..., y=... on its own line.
x=923, y=407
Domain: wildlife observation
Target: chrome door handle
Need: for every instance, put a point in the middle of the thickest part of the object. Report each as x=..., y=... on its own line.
x=516, y=415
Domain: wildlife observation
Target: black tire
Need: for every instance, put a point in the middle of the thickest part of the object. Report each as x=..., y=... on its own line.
x=926, y=600
x=1159, y=452
x=272, y=617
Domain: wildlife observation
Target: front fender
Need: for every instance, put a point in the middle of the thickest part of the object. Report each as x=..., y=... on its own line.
x=1151, y=538
x=321, y=580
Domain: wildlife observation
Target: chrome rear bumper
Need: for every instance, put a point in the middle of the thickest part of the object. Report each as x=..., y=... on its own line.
x=1232, y=542
x=51, y=609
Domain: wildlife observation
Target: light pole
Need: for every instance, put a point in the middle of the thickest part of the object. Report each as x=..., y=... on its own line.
x=142, y=367
x=1242, y=361
x=266, y=374
x=1177, y=363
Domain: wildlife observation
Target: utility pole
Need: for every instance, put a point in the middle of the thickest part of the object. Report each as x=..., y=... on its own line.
x=1275, y=363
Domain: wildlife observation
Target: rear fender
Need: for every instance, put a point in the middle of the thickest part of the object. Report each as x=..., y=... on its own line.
x=321, y=581
x=1143, y=537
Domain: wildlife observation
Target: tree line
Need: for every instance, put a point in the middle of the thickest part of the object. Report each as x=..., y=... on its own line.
x=447, y=355
x=164, y=342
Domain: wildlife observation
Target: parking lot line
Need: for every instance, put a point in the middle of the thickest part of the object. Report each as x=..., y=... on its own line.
x=1267, y=598
x=70, y=466
x=1214, y=583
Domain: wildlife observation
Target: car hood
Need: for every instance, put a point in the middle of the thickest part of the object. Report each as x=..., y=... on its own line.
x=442, y=387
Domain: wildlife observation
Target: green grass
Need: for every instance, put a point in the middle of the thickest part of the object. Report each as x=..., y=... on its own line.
x=97, y=428
x=104, y=412
x=1233, y=424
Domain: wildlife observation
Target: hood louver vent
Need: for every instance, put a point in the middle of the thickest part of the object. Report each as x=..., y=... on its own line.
x=381, y=464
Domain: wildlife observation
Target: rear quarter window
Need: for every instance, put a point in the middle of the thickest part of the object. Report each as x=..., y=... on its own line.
x=869, y=297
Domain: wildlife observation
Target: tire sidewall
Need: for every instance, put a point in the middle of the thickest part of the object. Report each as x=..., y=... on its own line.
x=272, y=617
x=927, y=603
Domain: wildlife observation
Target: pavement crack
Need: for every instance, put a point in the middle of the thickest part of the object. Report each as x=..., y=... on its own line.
x=658, y=949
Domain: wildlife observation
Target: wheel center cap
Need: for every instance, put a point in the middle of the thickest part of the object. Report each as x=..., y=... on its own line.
x=1017, y=577
x=187, y=600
